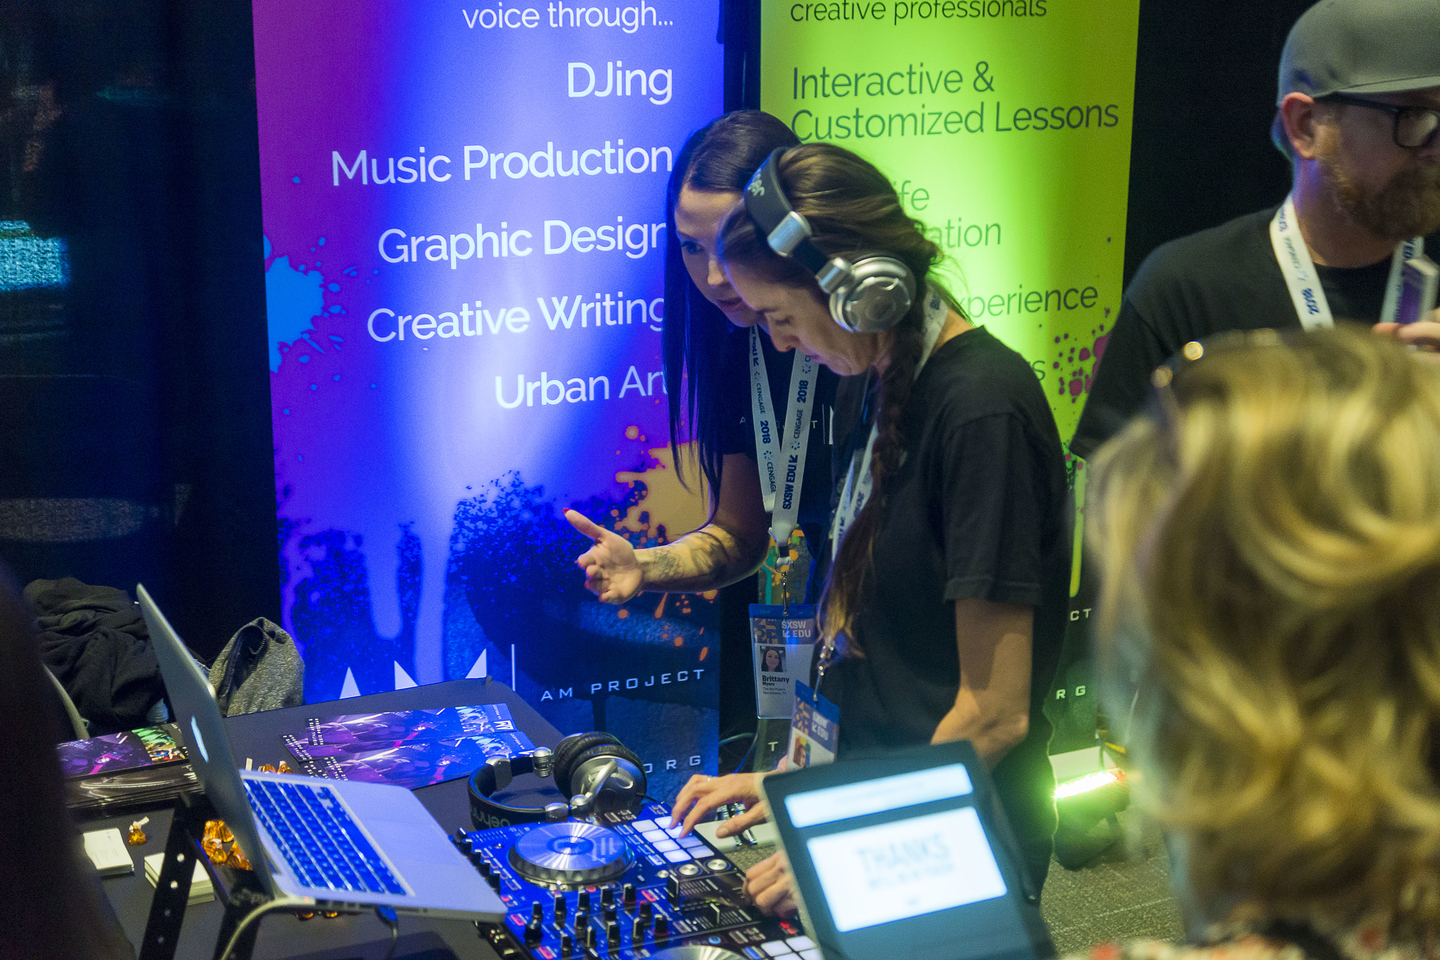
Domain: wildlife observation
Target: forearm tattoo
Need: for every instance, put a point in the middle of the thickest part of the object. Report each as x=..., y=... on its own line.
x=707, y=559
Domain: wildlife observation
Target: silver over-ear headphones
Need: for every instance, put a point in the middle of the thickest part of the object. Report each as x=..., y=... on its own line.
x=867, y=295
x=594, y=771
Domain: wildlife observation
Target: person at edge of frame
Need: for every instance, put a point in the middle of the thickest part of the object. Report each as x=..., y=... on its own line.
x=706, y=341
x=1358, y=110
x=947, y=597
x=54, y=907
x=1268, y=540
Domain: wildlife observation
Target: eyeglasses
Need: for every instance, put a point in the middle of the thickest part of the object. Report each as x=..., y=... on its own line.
x=1162, y=380
x=1414, y=126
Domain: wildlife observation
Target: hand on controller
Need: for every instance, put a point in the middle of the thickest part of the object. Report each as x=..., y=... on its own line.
x=612, y=571
x=704, y=795
x=770, y=885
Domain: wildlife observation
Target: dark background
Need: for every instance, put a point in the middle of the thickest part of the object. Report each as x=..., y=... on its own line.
x=135, y=439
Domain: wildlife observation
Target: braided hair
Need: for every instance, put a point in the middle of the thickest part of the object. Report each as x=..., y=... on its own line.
x=852, y=209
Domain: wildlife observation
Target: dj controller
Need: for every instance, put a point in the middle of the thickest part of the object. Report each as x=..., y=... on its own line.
x=623, y=887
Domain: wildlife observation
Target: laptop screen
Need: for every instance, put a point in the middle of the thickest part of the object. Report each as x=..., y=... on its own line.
x=198, y=717
x=902, y=850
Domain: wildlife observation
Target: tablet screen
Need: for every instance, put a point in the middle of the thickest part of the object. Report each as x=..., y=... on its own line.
x=905, y=869
x=851, y=800
x=903, y=850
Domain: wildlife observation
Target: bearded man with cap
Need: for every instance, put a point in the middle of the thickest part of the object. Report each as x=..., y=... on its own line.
x=1359, y=117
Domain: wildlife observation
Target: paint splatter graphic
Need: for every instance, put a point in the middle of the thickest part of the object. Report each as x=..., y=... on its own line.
x=1075, y=362
x=642, y=670
x=333, y=620
x=513, y=590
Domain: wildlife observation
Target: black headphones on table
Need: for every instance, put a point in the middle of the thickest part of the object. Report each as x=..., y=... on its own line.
x=595, y=770
x=869, y=295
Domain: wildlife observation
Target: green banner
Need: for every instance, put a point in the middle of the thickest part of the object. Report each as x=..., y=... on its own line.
x=1005, y=126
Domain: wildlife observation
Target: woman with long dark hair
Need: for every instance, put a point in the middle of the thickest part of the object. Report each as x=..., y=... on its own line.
x=946, y=598
x=708, y=338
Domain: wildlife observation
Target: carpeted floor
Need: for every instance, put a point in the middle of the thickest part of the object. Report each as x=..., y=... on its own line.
x=1125, y=895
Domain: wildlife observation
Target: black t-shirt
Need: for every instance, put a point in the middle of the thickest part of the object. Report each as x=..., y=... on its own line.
x=1224, y=278
x=738, y=435
x=978, y=509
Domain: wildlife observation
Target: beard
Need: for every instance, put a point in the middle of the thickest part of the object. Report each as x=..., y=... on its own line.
x=1407, y=206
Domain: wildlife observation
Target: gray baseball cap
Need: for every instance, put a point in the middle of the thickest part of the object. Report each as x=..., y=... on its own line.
x=1362, y=46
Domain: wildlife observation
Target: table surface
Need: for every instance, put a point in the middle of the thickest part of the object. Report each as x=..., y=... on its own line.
x=256, y=737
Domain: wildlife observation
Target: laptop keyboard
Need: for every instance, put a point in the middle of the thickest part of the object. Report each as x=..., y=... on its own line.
x=318, y=839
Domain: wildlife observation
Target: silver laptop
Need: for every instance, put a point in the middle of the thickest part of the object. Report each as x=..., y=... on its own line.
x=330, y=844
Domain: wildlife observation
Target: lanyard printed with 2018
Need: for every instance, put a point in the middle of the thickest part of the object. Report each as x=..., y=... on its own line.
x=859, y=481
x=781, y=454
x=1304, y=282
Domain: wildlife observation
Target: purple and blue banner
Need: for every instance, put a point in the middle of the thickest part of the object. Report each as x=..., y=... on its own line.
x=464, y=234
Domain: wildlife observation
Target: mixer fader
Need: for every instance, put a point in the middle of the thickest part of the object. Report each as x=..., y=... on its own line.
x=622, y=888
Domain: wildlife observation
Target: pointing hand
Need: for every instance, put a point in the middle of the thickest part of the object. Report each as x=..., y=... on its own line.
x=612, y=571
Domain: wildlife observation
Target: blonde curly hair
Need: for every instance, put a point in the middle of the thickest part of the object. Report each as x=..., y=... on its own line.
x=1270, y=544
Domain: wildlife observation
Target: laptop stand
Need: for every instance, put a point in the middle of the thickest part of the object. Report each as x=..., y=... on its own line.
x=241, y=896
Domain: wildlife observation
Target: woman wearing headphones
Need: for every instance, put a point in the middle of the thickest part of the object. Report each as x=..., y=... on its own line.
x=716, y=363
x=946, y=598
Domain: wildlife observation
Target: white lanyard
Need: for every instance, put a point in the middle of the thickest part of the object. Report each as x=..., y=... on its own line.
x=781, y=457
x=1304, y=283
x=857, y=487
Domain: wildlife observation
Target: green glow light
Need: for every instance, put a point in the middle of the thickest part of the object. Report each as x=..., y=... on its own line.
x=1091, y=781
